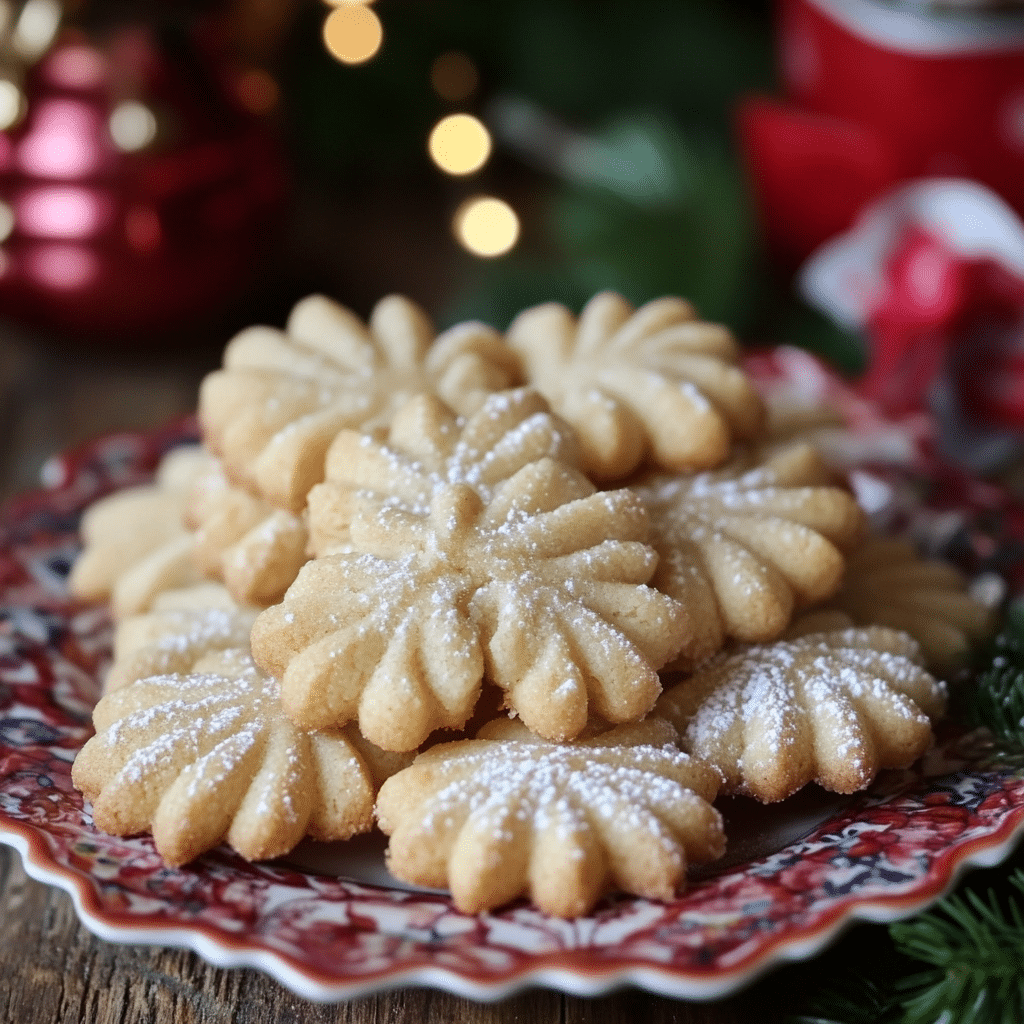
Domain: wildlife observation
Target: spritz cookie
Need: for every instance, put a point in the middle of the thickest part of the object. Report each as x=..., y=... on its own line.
x=209, y=757
x=832, y=708
x=651, y=385
x=281, y=397
x=495, y=819
x=256, y=549
x=536, y=582
x=744, y=545
x=135, y=541
x=425, y=446
x=174, y=639
x=888, y=584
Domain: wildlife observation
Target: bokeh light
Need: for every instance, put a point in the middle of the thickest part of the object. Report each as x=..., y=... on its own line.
x=257, y=91
x=132, y=126
x=459, y=144
x=63, y=141
x=76, y=67
x=6, y=221
x=454, y=76
x=353, y=33
x=12, y=103
x=67, y=267
x=36, y=26
x=486, y=226
x=62, y=211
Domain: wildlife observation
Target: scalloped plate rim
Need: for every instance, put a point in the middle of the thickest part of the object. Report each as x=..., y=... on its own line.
x=218, y=948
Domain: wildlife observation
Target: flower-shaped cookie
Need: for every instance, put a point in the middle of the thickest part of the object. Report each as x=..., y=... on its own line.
x=655, y=385
x=495, y=819
x=831, y=708
x=453, y=572
x=135, y=542
x=742, y=546
x=888, y=584
x=206, y=757
x=173, y=639
x=426, y=446
x=255, y=549
x=281, y=397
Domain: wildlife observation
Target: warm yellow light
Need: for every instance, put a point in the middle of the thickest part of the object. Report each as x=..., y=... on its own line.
x=486, y=226
x=454, y=76
x=353, y=33
x=12, y=103
x=460, y=144
x=132, y=126
x=6, y=221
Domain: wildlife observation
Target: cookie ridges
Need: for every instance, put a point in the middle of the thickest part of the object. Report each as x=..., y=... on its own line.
x=832, y=708
x=209, y=757
x=281, y=397
x=744, y=545
x=135, y=542
x=256, y=549
x=492, y=820
x=888, y=584
x=649, y=385
x=536, y=581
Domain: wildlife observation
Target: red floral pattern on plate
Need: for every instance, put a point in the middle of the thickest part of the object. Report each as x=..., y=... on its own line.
x=883, y=855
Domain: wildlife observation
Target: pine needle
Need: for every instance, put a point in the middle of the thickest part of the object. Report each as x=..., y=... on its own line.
x=852, y=983
x=997, y=699
x=977, y=949
x=850, y=999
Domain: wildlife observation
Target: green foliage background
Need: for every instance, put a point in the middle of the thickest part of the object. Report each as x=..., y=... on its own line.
x=650, y=84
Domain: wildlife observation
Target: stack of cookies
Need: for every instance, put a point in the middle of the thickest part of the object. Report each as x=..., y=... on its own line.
x=527, y=603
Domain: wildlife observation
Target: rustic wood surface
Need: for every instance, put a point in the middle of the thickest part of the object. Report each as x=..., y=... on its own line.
x=52, y=970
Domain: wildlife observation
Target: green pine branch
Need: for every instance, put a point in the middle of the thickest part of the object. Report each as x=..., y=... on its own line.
x=976, y=949
x=996, y=700
x=852, y=999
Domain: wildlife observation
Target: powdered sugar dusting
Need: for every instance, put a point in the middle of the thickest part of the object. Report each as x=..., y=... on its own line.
x=833, y=707
x=565, y=804
x=199, y=743
x=479, y=552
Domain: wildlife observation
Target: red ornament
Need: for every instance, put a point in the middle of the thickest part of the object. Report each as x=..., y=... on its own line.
x=138, y=190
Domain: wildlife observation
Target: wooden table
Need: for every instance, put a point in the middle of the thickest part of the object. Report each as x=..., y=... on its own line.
x=51, y=968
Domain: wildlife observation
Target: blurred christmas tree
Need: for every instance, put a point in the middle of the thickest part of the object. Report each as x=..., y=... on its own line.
x=611, y=131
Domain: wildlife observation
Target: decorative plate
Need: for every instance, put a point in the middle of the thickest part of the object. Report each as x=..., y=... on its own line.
x=797, y=873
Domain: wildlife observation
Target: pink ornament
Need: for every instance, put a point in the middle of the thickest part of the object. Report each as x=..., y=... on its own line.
x=139, y=193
